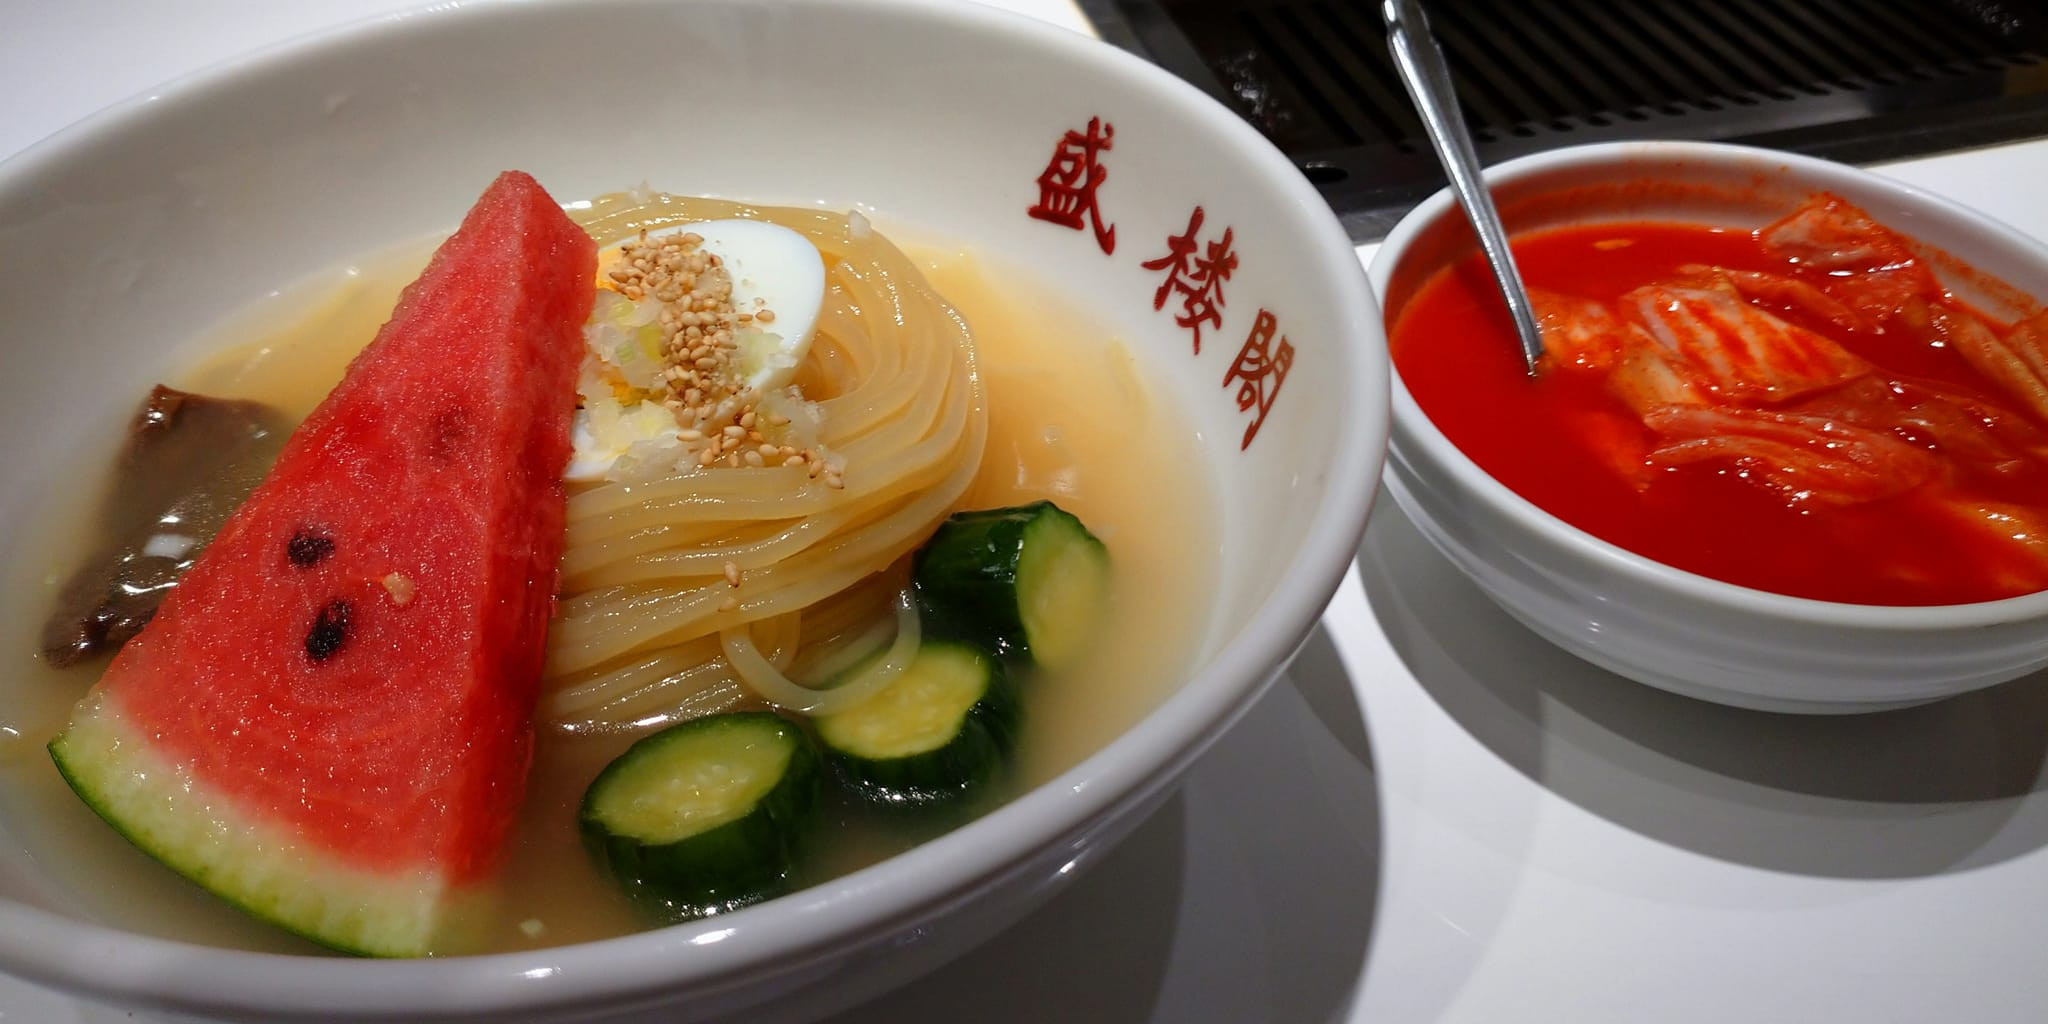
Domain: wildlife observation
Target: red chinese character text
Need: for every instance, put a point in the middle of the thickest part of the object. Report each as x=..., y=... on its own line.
x=1066, y=188
x=1198, y=278
x=1259, y=371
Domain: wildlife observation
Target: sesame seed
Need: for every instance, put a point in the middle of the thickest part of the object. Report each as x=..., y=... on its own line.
x=697, y=319
x=729, y=604
x=732, y=574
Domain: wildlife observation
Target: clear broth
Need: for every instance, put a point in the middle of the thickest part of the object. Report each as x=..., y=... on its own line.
x=1053, y=433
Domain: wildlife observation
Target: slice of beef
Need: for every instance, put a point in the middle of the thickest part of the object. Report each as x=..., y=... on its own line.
x=189, y=461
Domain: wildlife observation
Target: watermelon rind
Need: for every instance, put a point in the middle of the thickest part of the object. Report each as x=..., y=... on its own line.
x=158, y=806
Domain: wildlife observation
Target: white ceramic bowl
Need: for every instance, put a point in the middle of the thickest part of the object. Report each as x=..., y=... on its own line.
x=132, y=232
x=1673, y=629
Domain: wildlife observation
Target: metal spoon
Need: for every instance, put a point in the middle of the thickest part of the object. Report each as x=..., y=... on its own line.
x=1421, y=64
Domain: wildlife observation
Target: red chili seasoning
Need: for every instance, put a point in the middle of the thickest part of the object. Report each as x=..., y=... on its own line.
x=1801, y=409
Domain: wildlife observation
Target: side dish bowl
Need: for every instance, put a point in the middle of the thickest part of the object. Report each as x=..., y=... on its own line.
x=1648, y=621
x=126, y=238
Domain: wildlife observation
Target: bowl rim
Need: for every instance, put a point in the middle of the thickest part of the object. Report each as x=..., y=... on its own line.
x=813, y=925
x=1410, y=421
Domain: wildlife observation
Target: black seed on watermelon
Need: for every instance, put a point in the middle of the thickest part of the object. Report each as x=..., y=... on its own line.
x=329, y=632
x=307, y=548
x=451, y=434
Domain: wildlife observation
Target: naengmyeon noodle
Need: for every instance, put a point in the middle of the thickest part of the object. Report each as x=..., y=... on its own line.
x=650, y=629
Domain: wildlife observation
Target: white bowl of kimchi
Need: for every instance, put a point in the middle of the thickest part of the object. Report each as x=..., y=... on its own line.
x=1801, y=412
x=1170, y=337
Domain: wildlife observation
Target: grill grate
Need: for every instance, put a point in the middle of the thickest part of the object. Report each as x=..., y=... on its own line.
x=1852, y=79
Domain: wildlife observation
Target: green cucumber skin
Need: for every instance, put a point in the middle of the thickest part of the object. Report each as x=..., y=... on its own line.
x=966, y=579
x=966, y=576
x=741, y=862
x=978, y=755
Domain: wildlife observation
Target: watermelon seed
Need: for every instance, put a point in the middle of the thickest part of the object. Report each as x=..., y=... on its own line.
x=451, y=434
x=329, y=632
x=307, y=548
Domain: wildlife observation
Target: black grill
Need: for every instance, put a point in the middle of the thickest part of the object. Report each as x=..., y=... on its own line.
x=1856, y=80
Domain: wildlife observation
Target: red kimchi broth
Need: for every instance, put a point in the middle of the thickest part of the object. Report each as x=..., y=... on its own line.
x=1801, y=409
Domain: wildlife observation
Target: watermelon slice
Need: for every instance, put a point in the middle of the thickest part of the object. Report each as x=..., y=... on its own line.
x=329, y=722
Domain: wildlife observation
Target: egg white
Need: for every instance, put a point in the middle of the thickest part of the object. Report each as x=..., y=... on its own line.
x=772, y=268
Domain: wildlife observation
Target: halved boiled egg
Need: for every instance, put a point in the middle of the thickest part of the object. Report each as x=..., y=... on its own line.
x=776, y=269
x=777, y=287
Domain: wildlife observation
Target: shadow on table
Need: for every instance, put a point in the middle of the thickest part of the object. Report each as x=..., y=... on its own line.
x=1938, y=788
x=1248, y=897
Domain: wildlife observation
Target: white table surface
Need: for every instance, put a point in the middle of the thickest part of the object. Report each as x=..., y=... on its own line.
x=1437, y=817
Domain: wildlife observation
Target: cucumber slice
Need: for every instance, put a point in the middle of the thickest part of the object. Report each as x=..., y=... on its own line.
x=1029, y=582
x=706, y=816
x=941, y=730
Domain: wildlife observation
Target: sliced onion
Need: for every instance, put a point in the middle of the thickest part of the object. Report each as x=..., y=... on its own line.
x=771, y=685
x=851, y=652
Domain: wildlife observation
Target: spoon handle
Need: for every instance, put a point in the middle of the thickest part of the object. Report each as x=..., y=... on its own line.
x=1421, y=64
